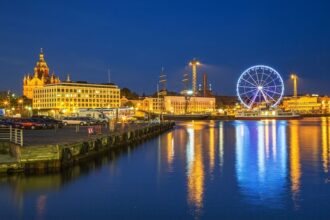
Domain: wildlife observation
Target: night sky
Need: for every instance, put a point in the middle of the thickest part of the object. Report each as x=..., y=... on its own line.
x=136, y=38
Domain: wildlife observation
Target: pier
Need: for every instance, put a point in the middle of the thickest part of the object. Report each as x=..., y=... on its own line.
x=53, y=150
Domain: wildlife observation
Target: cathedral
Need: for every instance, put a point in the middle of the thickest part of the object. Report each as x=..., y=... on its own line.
x=40, y=77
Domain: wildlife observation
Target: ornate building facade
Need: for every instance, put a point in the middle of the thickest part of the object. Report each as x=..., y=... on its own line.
x=67, y=98
x=40, y=78
x=177, y=105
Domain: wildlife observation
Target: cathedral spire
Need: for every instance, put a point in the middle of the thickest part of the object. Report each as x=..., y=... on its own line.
x=40, y=77
x=68, y=79
x=41, y=68
x=41, y=55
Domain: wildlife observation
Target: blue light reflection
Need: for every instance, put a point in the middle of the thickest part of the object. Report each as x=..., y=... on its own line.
x=261, y=172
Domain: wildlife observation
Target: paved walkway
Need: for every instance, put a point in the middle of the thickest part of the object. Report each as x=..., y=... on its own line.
x=67, y=134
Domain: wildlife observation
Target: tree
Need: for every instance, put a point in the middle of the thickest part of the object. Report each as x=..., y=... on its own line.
x=128, y=93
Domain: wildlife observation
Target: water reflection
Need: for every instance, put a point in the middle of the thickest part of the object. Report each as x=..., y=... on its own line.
x=41, y=206
x=212, y=145
x=221, y=146
x=261, y=173
x=22, y=186
x=195, y=165
x=190, y=151
x=170, y=149
x=216, y=169
x=325, y=143
x=295, y=170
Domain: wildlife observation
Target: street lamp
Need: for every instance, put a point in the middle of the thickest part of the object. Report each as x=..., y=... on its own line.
x=20, y=101
x=5, y=103
x=294, y=78
x=29, y=109
x=194, y=63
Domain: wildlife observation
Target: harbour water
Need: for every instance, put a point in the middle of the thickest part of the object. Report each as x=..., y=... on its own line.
x=199, y=170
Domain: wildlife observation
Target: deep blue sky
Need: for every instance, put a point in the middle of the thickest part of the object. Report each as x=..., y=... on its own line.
x=135, y=38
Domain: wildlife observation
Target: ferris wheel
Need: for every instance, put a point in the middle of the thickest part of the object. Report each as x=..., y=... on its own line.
x=260, y=84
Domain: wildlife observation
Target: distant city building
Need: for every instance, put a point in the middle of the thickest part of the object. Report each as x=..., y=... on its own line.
x=152, y=104
x=40, y=77
x=325, y=104
x=177, y=104
x=184, y=104
x=68, y=97
x=307, y=104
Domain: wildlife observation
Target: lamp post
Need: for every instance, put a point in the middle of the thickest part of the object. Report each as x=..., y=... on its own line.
x=294, y=78
x=20, y=101
x=194, y=63
x=29, y=110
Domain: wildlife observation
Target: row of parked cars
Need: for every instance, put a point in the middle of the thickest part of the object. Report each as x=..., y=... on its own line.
x=45, y=122
x=80, y=121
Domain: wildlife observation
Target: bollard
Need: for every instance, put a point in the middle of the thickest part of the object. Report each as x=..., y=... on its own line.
x=77, y=128
x=16, y=136
x=98, y=129
x=11, y=133
x=90, y=131
x=22, y=140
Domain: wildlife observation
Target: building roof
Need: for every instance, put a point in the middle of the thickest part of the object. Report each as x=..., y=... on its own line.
x=84, y=84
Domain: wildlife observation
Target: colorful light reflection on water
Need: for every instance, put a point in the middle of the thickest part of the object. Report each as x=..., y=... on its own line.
x=200, y=170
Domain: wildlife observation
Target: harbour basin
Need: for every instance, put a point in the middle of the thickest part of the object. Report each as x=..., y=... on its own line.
x=199, y=170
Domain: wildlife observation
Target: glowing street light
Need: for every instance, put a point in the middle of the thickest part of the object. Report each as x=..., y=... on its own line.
x=294, y=77
x=20, y=102
x=190, y=92
x=194, y=63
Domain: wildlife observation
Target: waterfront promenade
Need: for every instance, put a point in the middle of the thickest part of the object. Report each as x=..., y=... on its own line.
x=73, y=134
x=50, y=150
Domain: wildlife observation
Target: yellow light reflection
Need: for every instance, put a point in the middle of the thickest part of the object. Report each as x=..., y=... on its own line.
x=195, y=170
x=295, y=169
x=212, y=146
x=170, y=149
x=325, y=145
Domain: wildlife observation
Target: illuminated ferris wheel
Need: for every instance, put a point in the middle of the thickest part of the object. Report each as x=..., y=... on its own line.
x=260, y=84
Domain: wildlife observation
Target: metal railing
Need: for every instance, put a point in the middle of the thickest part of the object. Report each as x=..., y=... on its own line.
x=13, y=135
x=5, y=134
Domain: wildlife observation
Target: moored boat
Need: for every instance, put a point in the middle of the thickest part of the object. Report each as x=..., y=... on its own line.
x=267, y=114
x=185, y=116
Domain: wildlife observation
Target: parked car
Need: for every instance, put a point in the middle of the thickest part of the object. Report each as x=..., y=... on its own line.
x=89, y=120
x=5, y=123
x=74, y=121
x=42, y=121
x=49, y=121
x=25, y=123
